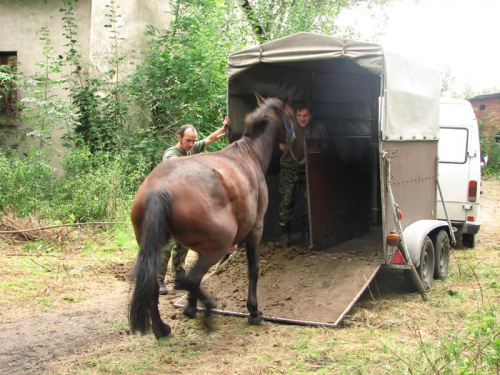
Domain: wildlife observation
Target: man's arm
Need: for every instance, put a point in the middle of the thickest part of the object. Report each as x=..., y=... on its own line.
x=216, y=134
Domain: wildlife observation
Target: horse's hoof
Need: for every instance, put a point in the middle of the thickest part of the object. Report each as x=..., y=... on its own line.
x=255, y=320
x=190, y=311
x=163, y=331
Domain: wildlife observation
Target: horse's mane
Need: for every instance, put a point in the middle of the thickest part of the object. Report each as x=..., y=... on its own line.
x=255, y=121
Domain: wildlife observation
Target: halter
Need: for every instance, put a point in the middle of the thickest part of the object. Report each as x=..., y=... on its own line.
x=290, y=133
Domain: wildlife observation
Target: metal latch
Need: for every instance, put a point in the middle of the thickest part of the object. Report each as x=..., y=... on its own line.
x=467, y=206
x=391, y=153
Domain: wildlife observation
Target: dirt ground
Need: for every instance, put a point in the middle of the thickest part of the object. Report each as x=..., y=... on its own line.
x=35, y=342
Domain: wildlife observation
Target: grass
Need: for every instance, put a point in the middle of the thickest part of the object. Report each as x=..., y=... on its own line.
x=455, y=332
x=43, y=274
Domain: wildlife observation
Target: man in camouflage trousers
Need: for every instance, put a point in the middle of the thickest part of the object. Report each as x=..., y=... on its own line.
x=186, y=145
x=293, y=173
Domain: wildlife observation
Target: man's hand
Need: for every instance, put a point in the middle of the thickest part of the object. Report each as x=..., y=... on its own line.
x=226, y=123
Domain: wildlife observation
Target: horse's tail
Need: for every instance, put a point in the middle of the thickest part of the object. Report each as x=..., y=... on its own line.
x=155, y=236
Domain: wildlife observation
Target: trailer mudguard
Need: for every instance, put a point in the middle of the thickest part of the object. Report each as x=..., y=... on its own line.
x=415, y=233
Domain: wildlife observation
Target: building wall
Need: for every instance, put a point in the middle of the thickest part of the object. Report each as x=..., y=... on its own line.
x=487, y=109
x=135, y=16
x=20, y=25
x=21, y=21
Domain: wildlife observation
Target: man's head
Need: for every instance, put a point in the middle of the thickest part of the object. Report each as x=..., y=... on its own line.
x=186, y=136
x=303, y=114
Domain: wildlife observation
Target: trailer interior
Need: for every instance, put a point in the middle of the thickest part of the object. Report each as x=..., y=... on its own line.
x=342, y=170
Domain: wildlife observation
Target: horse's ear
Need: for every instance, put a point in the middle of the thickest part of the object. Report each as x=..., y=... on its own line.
x=260, y=98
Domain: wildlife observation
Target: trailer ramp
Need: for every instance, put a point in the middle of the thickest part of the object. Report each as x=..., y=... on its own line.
x=296, y=285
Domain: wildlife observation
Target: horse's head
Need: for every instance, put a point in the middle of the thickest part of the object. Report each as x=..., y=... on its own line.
x=277, y=111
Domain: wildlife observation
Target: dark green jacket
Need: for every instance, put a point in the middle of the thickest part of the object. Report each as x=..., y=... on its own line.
x=296, y=161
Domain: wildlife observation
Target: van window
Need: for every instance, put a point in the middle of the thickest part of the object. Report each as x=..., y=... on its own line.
x=453, y=145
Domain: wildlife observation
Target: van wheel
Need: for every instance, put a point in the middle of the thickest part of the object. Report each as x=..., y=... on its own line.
x=442, y=253
x=469, y=240
x=426, y=267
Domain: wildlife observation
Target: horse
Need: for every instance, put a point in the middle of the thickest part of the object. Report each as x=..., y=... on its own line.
x=207, y=202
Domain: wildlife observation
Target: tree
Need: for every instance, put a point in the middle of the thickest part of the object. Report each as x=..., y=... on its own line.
x=271, y=19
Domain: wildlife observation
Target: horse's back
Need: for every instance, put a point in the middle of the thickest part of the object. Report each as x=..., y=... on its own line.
x=215, y=196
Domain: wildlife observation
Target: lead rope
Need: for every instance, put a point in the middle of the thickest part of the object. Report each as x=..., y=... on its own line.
x=290, y=137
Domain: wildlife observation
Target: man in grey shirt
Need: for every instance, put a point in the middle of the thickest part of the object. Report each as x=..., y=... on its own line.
x=186, y=145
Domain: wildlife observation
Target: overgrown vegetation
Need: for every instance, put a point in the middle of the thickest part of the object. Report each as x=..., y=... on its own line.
x=490, y=148
x=465, y=340
x=95, y=187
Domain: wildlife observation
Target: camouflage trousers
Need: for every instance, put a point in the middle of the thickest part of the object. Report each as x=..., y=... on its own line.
x=290, y=181
x=178, y=254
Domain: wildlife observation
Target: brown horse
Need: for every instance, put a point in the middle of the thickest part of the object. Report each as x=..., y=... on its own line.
x=207, y=202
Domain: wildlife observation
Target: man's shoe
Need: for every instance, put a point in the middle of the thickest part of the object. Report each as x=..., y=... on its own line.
x=163, y=288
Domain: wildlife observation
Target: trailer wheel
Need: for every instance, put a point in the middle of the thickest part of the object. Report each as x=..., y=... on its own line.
x=442, y=253
x=426, y=267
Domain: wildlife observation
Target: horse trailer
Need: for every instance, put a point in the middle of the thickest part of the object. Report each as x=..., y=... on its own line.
x=372, y=183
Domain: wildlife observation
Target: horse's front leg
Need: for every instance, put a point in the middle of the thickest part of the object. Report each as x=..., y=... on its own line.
x=160, y=329
x=252, y=251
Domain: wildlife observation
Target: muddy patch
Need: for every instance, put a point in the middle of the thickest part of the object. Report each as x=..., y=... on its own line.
x=33, y=345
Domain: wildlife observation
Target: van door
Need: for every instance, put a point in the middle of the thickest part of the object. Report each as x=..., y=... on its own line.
x=454, y=170
x=459, y=165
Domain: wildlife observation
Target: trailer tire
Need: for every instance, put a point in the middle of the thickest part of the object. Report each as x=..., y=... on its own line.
x=442, y=253
x=426, y=267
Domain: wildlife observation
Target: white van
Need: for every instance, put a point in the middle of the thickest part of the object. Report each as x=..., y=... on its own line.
x=460, y=169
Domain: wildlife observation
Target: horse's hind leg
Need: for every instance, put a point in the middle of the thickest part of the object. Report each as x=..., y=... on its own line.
x=252, y=251
x=160, y=329
x=191, y=283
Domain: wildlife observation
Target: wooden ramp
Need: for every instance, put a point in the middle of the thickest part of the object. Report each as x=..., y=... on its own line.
x=296, y=285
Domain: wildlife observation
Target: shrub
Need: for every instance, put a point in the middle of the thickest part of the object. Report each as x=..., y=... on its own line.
x=93, y=188
x=26, y=184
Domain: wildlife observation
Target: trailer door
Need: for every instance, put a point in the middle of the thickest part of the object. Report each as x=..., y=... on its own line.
x=339, y=178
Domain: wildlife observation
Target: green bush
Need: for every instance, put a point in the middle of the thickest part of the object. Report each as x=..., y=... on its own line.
x=492, y=169
x=491, y=148
x=26, y=184
x=95, y=187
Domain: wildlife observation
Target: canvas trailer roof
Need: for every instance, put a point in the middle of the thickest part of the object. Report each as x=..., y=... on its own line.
x=409, y=91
